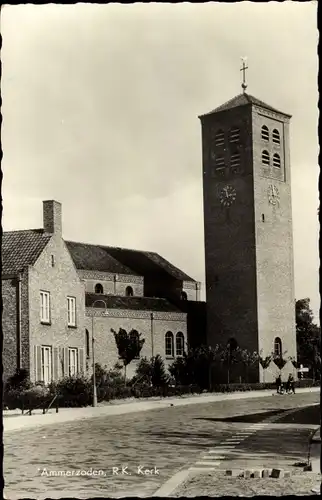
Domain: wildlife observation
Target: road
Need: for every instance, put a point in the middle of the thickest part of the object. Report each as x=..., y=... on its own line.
x=57, y=461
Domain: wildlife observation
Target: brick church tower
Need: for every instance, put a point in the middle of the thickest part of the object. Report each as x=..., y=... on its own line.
x=248, y=229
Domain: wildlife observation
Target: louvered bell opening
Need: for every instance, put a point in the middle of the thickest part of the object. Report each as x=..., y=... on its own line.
x=220, y=139
x=276, y=137
x=276, y=161
x=235, y=160
x=234, y=135
x=265, y=133
x=265, y=158
x=220, y=164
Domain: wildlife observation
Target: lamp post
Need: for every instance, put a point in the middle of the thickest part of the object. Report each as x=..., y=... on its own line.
x=93, y=350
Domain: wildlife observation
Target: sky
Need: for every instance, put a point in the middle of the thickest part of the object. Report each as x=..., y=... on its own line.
x=100, y=112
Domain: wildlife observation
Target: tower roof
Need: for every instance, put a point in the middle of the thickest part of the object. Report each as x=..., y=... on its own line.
x=242, y=100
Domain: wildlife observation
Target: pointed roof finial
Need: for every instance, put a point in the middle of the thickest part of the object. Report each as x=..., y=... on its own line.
x=243, y=69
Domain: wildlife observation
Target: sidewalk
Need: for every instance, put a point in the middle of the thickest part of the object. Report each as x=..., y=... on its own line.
x=315, y=451
x=19, y=422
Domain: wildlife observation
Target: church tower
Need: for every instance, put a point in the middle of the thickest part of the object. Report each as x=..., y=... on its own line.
x=248, y=229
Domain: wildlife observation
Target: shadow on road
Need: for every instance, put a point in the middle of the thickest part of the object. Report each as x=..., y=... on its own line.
x=251, y=418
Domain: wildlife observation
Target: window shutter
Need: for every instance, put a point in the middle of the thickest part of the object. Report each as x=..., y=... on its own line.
x=38, y=363
x=66, y=362
x=61, y=364
x=81, y=360
x=55, y=363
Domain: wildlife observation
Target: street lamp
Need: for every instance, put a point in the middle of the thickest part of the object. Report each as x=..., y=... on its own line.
x=93, y=350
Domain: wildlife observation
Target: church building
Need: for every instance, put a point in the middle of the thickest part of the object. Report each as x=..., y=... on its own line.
x=58, y=294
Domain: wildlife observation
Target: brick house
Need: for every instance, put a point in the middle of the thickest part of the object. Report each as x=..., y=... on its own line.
x=56, y=293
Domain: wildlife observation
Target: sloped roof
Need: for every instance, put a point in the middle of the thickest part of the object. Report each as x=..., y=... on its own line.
x=135, y=303
x=95, y=258
x=243, y=100
x=149, y=263
x=22, y=248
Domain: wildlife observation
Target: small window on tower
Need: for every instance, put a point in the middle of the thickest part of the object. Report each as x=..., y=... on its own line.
x=220, y=163
x=265, y=158
x=265, y=133
x=220, y=138
x=276, y=136
x=52, y=261
x=276, y=161
x=263, y=218
x=234, y=134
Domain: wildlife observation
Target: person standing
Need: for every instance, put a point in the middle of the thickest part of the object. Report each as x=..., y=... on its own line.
x=291, y=383
x=278, y=384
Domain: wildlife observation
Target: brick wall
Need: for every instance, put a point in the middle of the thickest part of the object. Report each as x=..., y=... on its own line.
x=152, y=331
x=9, y=327
x=274, y=242
x=61, y=281
x=112, y=284
x=229, y=234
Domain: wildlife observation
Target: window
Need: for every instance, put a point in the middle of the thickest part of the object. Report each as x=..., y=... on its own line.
x=220, y=138
x=234, y=134
x=235, y=161
x=46, y=364
x=72, y=358
x=265, y=133
x=129, y=291
x=277, y=347
x=265, y=158
x=71, y=311
x=263, y=218
x=135, y=336
x=87, y=343
x=45, y=307
x=220, y=163
x=276, y=161
x=276, y=136
x=179, y=344
x=52, y=261
x=169, y=348
x=184, y=296
x=99, y=288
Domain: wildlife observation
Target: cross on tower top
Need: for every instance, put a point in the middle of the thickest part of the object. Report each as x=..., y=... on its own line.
x=243, y=69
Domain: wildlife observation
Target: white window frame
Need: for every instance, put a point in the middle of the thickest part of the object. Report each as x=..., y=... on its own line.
x=170, y=337
x=46, y=364
x=44, y=307
x=179, y=352
x=71, y=311
x=73, y=366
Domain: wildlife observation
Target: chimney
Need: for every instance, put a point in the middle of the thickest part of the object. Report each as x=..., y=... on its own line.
x=52, y=217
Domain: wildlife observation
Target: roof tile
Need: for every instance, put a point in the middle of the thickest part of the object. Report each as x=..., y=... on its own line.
x=22, y=248
x=135, y=303
x=243, y=100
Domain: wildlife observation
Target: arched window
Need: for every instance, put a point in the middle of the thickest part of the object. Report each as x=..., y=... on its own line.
x=179, y=344
x=87, y=342
x=184, y=296
x=234, y=135
x=220, y=163
x=265, y=158
x=276, y=161
x=169, y=347
x=276, y=136
x=129, y=291
x=220, y=138
x=277, y=347
x=99, y=288
x=134, y=334
x=235, y=162
x=265, y=133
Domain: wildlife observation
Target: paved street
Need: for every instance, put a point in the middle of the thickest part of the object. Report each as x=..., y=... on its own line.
x=163, y=441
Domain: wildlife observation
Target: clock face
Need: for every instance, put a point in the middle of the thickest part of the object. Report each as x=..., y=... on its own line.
x=227, y=195
x=273, y=195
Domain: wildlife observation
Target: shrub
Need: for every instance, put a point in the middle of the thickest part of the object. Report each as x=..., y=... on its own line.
x=73, y=391
x=159, y=376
